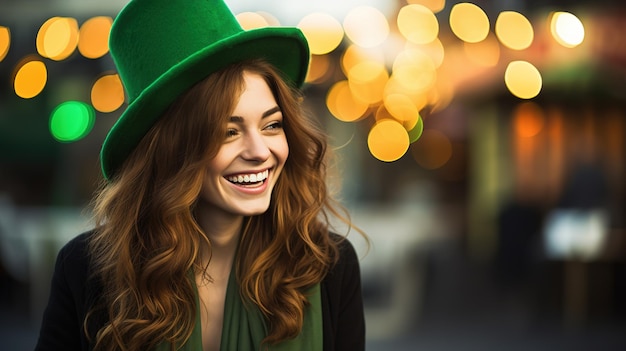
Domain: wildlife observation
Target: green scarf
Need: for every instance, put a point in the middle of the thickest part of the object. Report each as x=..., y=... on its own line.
x=244, y=325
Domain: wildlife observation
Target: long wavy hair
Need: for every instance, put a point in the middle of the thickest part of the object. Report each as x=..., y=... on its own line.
x=148, y=240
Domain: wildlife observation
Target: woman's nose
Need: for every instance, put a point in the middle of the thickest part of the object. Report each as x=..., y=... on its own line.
x=256, y=148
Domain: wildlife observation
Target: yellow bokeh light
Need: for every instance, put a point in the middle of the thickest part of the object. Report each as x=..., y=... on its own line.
x=469, y=22
x=93, y=37
x=402, y=109
x=523, y=79
x=367, y=81
x=434, y=50
x=318, y=68
x=514, y=30
x=342, y=104
x=5, y=42
x=323, y=32
x=419, y=99
x=432, y=150
x=30, y=79
x=418, y=24
x=366, y=26
x=415, y=71
x=485, y=53
x=388, y=140
x=567, y=29
x=355, y=54
x=433, y=5
x=107, y=93
x=57, y=38
x=251, y=20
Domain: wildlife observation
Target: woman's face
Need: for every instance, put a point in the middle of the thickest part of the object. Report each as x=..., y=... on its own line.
x=240, y=179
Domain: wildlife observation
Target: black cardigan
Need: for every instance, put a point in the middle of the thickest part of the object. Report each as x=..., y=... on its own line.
x=73, y=293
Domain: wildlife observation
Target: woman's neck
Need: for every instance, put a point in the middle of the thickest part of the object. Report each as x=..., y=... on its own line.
x=223, y=231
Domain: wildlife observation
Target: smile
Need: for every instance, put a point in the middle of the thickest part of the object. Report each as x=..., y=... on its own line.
x=252, y=179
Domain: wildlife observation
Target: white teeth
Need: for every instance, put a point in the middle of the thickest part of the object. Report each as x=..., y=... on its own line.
x=249, y=178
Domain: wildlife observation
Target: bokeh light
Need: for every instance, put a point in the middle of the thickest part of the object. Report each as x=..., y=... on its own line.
x=323, y=32
x=414, y=70
x=57, y=38
x=523, y=79
x=418, y=24
x=388, y=140
x=343, y=105
x=416, y=132
x=319, y=69
x=366, y=26
x=71, y=121
x=93, y=37
x=107, y=93
x=528, y=119
x=469, y=22
x=434, y=50
x=567, y=29
x=355, y=54
x=367, y=80
x=433, y=5
x=251, y=20
x=514, y=30
x=402, y=109
x=30, y=78
x=5, y=42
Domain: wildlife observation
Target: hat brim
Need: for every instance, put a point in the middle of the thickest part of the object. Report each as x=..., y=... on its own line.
x=284, y=47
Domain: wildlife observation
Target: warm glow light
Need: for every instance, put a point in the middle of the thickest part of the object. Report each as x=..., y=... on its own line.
x=394, y=86
x=366, y=26
x=432, y=150
x=414, y=70
x=485, y=53
x=469, y=22
x=93, y=37
x=323, y=32
x=107, y=93
x=567, y=29
x=523, y=79
x=434, y=50
x=342, y=104
x=528, y=119
x=418, y=24
x=5, y=42
x=367, y=81
x=57, y=38
x=30, y=79
x=355, y=54
x=318, y=68
x=434, y=5
x=514, y=30
x=388, y=140
x=251, y=20
x=402, y=109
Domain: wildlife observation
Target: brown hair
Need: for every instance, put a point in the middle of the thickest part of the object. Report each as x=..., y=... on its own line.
x=148, y=240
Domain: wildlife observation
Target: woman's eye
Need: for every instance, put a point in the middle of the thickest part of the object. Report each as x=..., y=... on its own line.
x=231, y=133
x=275, y=125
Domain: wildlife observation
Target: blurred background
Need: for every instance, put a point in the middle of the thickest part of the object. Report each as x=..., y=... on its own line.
x=480, y=145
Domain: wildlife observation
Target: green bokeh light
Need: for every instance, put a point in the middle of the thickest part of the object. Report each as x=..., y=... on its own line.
x=416, y=132
x=71, y=121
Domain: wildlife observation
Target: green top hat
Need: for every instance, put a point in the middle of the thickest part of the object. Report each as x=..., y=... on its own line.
x=163, y=47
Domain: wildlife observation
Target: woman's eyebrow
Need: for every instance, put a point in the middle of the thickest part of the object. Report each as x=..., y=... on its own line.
x=271, y=111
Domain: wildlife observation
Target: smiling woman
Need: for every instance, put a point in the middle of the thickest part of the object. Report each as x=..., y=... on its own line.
x=212, y=223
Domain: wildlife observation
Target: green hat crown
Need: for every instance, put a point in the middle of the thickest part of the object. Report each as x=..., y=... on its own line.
x=163, y=47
